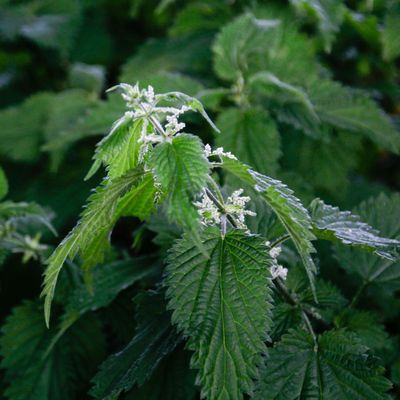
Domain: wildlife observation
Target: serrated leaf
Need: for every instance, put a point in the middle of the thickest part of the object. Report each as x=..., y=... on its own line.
x=35, y=373
x=354, y=111
x=222, y=303
x=332, y=224
x=91, y=235
x=381, y=213
x=182, y=170
x=154, y=339
x=367, y=327
x=288, y=208
x=119, y=150
x=240, y=44
x=252, y=136
x=285, y=92
x=337, y=367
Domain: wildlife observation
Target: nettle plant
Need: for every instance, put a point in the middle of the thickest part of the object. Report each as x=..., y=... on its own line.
x=228, y=298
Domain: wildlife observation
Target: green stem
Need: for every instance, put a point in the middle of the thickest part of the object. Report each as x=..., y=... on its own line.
x=358, y=294
x=280, y=240
x=294, y=302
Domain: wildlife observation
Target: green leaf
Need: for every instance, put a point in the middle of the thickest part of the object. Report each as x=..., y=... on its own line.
x=163, y=383
x=109, y=280
x=3, y=184
x=240, y=44
x=21, y=141
x=189, y=101
x=119, y=150
x=328, y=163
x=336, y=367
x=329, y=15
x=88, y=77
x=222, y=303
x=91, y=235
x=354, y=111
x=182, y=170
x=391, y=34
x=65, y=111
x=200, y=16
x=252, y=136
x=94, y=121
x=290, y=92
x=288, y=208
x=367, y=327
x=154, y=339
x=332, y=224
x=380, y=212
x=177, y=55
x=37, y=370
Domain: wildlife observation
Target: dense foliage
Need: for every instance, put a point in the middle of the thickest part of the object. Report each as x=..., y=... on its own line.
x=215, y=256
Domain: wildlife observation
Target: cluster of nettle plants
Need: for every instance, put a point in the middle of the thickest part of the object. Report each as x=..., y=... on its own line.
x=223, y=294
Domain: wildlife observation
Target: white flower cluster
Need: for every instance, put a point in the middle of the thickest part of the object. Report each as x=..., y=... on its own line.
x=277, y=270
x=141, y=101
x=235, y=206
x=209, y=213
x=218, y=152
x=144, y=105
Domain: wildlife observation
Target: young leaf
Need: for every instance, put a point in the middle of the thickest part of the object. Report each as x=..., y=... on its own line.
x=336, y=367
x=154, y=339
x=332, y=224
x=119, y=150
x=187, y=101
x=222, y=303
x=247, y=134
x=182, y=169
x=90, y=235
x=36, y=373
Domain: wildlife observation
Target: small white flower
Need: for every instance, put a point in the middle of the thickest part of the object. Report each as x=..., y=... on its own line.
x=219, y=151
x=173, y=126
x=208, y=211
x=277, y=271
x=275, y=251
x=207, y=150
x=235, y=206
